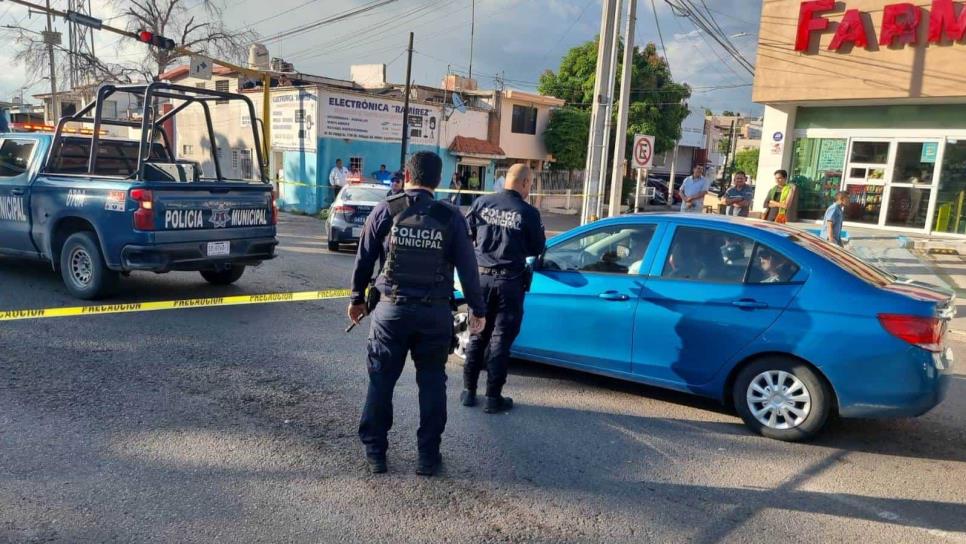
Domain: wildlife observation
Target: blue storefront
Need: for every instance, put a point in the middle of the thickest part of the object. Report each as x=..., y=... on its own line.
x=312, y=128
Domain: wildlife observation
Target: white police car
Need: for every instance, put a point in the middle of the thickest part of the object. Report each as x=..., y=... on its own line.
x=349, y=212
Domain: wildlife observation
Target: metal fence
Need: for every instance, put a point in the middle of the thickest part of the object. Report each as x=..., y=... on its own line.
x=555, y=189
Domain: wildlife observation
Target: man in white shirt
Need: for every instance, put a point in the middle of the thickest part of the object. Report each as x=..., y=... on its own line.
x=337, y=177
x=693, y=190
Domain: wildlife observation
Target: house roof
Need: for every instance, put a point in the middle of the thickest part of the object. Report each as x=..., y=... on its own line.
x=475, y=147
x=520, y=96
x=180, y=72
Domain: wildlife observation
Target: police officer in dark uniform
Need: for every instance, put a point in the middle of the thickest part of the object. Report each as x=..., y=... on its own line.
x=505, y=230
x=419, y=240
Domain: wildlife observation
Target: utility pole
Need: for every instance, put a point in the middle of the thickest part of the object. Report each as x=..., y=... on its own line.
x=734, y=148
x=617, y=178
x=609, y=111
x=472, y=35
x=405, y=127
x=731, y=141
x=597, y=140
x=49, y=40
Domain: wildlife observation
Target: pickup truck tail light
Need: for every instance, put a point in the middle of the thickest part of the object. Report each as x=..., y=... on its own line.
x=923, y=332
x=144, y=215
x=274, y=207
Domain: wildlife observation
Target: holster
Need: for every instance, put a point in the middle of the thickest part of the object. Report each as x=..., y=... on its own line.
x=527, y=278
x=372, y=298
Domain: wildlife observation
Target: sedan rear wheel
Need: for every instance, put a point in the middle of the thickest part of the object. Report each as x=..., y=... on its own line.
x=782, y=399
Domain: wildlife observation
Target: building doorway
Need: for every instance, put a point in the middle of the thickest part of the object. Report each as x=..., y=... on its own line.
x=892, y=182
x=473, y=178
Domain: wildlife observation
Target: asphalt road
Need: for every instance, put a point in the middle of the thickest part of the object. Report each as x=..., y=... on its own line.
x=237, y=424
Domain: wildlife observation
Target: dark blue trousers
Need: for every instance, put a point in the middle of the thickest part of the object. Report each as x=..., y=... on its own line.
x=425, y=331
x=491, y=348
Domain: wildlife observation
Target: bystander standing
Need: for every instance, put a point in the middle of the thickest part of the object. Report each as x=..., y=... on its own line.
x=832, y=222
x=739, y=196
x=693, y=190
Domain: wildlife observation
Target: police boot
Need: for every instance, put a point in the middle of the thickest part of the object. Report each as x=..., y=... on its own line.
x=428, y=465
x=468, y=398
x=377, y=463
x=498, y=404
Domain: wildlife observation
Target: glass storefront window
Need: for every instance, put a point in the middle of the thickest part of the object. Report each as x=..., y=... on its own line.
x=870, y=152
x=912, y=177
x=817, y=172
x=951, y=202
x=865, y=203
x=915, y=162
x=908, y=207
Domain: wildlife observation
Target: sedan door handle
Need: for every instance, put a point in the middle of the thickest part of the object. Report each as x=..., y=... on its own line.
x=749, y=304
x=17, y=192
x=613, y=296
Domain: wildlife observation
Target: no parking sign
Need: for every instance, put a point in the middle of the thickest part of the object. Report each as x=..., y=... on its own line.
x=643, y=154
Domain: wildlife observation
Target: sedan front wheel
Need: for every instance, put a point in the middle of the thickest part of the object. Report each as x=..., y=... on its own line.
x=782, y=398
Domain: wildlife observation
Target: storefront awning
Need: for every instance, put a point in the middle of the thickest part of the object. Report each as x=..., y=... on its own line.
x=463, y=146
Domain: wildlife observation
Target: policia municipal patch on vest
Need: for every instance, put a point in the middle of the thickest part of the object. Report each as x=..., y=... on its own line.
x=417, y=244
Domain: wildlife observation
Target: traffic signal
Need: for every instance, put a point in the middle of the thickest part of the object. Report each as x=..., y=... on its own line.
x=160, y=42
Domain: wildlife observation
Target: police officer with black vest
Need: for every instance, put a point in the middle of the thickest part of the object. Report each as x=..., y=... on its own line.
x=420, y=240
x=505, y=230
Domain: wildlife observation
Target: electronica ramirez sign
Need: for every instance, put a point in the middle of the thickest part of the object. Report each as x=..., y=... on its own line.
x=899, y=25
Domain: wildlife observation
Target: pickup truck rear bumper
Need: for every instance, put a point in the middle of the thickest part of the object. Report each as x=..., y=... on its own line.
x=194, y=255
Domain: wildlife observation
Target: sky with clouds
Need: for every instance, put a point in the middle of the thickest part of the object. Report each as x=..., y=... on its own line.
x=515, y=39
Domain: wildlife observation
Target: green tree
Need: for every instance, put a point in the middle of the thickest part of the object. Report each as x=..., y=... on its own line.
x=566, y=137
x=657, y=103
x=747, y=160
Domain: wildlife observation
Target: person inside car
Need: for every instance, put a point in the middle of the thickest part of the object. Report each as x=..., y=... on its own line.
x=774, y=269
x=683, y=263
x=639, y=243
x=609, y=262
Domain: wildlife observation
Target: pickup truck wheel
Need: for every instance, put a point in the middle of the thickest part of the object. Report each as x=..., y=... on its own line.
x=227, y=276
x=83, y=269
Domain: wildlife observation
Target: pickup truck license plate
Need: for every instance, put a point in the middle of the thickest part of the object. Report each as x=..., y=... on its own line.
x=356, y=232
x=216, y=249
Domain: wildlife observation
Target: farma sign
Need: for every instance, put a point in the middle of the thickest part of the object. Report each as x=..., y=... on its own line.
x=899, y=26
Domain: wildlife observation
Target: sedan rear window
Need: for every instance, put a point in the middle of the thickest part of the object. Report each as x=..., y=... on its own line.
x=363, y=194
x=723, y=257
x=845, y=260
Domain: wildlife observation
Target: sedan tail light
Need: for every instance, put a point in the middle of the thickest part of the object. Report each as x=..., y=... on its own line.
x=923, y=332
x=345, y=210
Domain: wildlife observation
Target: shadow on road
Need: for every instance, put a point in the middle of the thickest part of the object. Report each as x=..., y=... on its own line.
x=921, y=438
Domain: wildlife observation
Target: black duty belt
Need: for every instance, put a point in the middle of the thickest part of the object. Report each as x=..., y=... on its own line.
x=410, y=301
x=505, y=272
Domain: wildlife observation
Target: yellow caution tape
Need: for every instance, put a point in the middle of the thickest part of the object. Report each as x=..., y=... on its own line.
x=237, y=300
x=465, y=192
x=299, y=184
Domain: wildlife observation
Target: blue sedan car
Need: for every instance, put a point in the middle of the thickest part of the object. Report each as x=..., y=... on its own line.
x=783, y=326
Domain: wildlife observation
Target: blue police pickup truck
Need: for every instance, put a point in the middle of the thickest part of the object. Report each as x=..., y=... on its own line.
x=98, y=208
